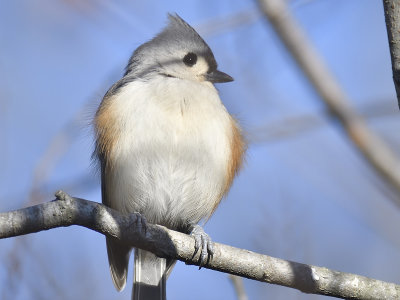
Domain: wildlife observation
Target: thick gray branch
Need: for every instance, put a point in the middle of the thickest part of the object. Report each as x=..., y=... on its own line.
x=392, y=18
x=67, y=211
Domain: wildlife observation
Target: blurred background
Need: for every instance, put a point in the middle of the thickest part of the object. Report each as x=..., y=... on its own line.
x=305, y=193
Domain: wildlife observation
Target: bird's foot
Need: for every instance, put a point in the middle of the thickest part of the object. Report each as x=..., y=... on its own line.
x=203, y=242
x=139, y=221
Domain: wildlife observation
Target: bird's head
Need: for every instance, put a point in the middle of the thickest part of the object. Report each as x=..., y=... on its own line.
x=179, y=52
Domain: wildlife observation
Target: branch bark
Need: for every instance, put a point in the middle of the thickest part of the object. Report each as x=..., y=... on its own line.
x=374, y=149
x=392, y=18
x=67, y=211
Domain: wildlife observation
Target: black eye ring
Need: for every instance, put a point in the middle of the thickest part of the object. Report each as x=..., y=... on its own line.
x=190, y=59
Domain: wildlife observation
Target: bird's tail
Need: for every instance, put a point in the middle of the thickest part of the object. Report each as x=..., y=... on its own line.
x=151, y=274
x=118, y=258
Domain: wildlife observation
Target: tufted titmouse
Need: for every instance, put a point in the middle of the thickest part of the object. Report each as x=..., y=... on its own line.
x=167, y=148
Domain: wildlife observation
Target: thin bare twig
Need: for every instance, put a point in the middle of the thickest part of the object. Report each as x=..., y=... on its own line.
x=228, y=23
x=392, y=18
x=239, y=287
x=374, y=149
x=128, y=229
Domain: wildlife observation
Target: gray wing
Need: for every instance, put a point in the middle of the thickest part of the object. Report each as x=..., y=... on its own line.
x=118, y=254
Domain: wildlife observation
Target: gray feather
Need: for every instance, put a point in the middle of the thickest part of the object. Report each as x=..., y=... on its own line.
x=150, y=276
x=118, y=259
x=118, y=254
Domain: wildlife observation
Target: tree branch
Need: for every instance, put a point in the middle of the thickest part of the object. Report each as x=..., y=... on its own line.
x=392, y=18
x=239, y=287
x=67, y=211
x=375, y=150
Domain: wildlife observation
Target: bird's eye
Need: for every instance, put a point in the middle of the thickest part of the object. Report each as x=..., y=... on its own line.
x=190, y=59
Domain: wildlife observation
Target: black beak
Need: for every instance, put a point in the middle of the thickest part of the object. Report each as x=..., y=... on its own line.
x=218, y=77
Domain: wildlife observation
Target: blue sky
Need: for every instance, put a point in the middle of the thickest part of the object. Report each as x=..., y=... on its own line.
x=304, y=195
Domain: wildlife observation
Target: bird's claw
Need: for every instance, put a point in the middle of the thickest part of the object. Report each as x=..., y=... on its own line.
x=202, y=242
x=140, y=222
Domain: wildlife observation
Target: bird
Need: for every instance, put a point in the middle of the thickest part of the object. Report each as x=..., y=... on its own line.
x=166, y=147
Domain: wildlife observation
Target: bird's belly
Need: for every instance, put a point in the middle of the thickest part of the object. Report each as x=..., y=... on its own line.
x=172, y=178
x=170, y=160
x=171, y=187
x=169, y=190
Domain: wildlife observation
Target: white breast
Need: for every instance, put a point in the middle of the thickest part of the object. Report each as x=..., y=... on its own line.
x=172, y=152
